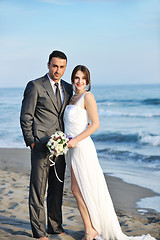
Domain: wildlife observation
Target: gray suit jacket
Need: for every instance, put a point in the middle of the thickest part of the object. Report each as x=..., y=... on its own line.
x=39, y=117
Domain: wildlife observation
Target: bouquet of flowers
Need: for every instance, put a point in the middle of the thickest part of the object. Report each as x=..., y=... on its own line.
x=57, y=144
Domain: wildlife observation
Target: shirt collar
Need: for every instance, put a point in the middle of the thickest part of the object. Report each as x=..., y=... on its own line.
x=52, y=82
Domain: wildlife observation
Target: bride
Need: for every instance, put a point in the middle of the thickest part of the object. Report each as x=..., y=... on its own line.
x=87, y=180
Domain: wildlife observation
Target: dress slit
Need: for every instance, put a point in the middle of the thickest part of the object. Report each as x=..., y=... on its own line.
x=72, y=172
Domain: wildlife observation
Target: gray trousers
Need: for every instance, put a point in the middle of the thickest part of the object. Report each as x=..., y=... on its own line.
x=41, y=172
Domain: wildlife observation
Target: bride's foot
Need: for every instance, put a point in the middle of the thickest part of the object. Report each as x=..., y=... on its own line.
x=90, y=235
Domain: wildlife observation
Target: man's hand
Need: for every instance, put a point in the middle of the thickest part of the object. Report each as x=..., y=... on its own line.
x=32, y=145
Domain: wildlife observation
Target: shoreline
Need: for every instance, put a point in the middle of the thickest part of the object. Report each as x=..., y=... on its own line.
x=14, y=219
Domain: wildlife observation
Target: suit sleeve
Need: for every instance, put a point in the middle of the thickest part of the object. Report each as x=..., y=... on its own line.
x=27, y=112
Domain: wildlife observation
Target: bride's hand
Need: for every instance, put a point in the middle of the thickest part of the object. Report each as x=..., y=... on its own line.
x=72, y=143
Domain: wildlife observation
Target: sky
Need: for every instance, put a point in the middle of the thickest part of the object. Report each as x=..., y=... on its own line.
x=118, y=40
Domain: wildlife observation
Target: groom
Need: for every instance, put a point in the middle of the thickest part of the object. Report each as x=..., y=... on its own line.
x=41, y=115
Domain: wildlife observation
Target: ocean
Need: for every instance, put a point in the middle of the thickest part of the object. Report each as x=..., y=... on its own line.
x=127, y=142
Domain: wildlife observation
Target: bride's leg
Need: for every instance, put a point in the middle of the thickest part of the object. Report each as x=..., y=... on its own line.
x=90, y=232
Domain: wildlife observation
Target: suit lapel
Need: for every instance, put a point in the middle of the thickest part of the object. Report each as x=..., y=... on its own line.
x=48, y=87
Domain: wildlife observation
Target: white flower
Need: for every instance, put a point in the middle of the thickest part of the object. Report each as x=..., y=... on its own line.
x=57, y=143
x=60, y=148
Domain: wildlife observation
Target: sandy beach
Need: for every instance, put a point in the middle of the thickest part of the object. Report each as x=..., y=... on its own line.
x=14, y=218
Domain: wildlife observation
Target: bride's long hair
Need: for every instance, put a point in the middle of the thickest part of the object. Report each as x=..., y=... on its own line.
x=86, y=72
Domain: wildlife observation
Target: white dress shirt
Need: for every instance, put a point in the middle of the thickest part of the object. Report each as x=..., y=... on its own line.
x=54, y=88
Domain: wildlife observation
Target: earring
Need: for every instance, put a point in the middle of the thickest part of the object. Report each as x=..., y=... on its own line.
x=88, y=88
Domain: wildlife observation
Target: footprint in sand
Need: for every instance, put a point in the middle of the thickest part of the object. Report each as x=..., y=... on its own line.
x=13, y=205
x=2, y=190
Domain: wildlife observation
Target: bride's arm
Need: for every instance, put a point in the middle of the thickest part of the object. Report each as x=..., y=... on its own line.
x=91, y=107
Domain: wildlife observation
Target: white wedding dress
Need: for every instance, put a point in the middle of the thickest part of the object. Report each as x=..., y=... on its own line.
x=90, y=178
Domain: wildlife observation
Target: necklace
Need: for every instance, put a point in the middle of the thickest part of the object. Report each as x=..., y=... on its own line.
x=76, y=94
x=75, y=97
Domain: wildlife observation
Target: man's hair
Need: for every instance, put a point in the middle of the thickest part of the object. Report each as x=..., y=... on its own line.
x=57, y=54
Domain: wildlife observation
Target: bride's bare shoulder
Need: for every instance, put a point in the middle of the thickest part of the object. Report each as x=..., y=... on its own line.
x=89, y=98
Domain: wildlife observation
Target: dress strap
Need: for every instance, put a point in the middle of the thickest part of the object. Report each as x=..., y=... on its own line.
x=80, y=102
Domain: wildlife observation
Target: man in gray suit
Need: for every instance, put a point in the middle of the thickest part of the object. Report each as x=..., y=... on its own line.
x=41, y=115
